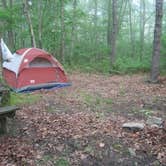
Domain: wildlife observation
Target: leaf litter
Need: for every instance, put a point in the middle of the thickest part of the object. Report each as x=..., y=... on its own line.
x=82, y=124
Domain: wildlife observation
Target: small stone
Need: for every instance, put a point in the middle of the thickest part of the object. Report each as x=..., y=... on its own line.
x=38, y=156
x=154, y=126
x=134, y=126
x=101, y=145
x=60, y=148
x=132, y=151
x=83, y=156
x=154, y=121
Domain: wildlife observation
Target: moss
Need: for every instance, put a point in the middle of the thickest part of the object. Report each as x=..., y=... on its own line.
x=4, y=96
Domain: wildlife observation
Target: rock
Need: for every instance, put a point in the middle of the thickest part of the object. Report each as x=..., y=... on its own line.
x=132, y=151
x=154, y=126
x=101, y=145
x=60, y=148
x=154, y=121
x=133, y=126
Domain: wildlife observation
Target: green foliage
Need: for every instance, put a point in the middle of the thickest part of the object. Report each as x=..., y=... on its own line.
x=61, y=162
x=123, y=65
x=90, y=50
x=10, y=17
x=45, y=160
x=23, y=98
x=4, y=15
x=132, y=65
x=146, y=112
x=50, y=159
x=89, y=149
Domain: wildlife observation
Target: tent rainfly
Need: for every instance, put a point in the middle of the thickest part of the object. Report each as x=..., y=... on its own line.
x=30, y=69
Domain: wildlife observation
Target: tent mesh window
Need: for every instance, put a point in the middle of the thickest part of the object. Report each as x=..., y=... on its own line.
x=40, y=62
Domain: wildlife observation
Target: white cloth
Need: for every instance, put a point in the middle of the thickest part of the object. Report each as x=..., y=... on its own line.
x=15, y=62
x=6, y=54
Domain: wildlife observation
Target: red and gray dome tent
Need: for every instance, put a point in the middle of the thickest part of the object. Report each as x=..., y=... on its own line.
x=30, y=69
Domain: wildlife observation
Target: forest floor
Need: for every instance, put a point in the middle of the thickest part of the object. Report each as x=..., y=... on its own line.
x=81, y=125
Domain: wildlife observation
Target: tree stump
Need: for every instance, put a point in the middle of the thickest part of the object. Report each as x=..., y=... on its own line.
x=5, y=110
x=4, y=96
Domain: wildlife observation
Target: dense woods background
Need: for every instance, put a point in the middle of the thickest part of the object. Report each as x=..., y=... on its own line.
x=90, y=35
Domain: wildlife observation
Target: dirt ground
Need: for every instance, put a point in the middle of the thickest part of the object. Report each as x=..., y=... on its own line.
x=81, y=125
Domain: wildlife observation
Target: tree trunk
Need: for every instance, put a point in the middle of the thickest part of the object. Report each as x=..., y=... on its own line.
x=73, y=31
x=113, y=33
x=131, y=31
x=95, y=21
x=4, y=3
x=40, y=24
x=62, y=47
x=121, y=13
x=10, y=33
x=156, y=43
x=142, y=27
x=28, y=16
x=109, y=24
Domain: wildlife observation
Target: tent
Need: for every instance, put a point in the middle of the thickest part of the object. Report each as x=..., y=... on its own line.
x=32, y=68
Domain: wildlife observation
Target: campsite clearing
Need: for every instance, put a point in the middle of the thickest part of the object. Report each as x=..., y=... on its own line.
x=82, y=124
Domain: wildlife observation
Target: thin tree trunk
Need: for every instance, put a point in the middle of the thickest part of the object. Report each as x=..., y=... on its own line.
x=121, y=15
x=28, y=16
x=131, y=30
x=73, y=31
x=113, y=32
x=10, y=30
x=40, y=24
x=62, y=47
x=156, y=43
x=95, y=21
x=109, y=24
x=4, y=3
x=142, y=27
